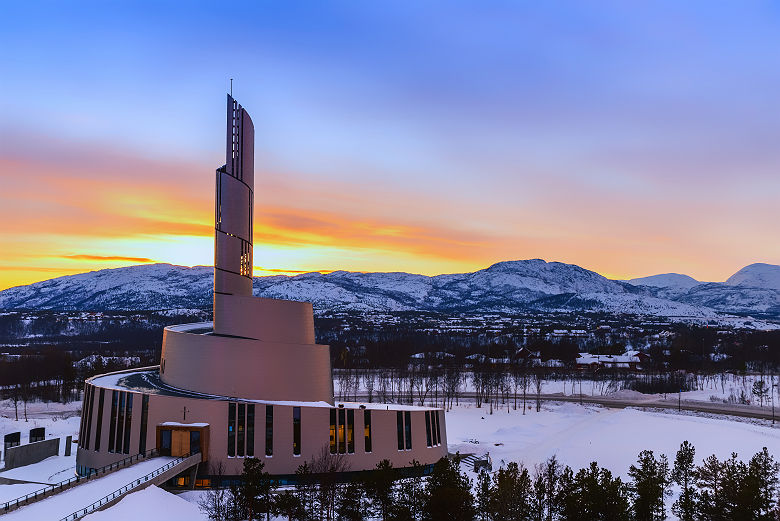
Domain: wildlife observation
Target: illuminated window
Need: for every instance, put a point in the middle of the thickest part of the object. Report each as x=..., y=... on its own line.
x=332, y=431
x=342, y=428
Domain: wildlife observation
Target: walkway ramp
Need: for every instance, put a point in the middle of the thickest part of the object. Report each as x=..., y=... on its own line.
x=102, y=492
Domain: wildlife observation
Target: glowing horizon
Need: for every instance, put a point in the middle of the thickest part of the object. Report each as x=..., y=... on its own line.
x=629, y=141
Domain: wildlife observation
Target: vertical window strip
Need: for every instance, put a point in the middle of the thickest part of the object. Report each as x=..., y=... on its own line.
x=351, y=431
x=438, y=429
x=120, y=422
x=367, y=429
x=408, y=422
x=241, y=430
x=250, y=430
x=88, y=426
x=144, y=421
x=428, y=441
x=297, y=431
x=342, y=433
x=231, y=444
x=399, y=420
x=112, y=420
x=99, y=426
x=269, y=430
x=83, y=416
x=128, y=421
x=332, y=431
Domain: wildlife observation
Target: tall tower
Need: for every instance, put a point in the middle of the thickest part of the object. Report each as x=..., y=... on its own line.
x=233, y=208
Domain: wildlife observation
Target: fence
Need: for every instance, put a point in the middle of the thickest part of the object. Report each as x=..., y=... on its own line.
x=130, y=486
x=65, y=484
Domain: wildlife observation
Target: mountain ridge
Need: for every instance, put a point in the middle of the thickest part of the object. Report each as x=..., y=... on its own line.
x=508, y=286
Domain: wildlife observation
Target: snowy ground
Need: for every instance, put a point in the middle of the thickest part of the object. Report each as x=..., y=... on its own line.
x=150, y=504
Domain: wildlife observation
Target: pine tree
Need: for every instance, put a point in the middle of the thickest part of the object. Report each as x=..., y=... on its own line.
x=483, y=496
x=684, y=474
x=448, y=494
x=351, y=502
x=510, y=494
x=649, y=487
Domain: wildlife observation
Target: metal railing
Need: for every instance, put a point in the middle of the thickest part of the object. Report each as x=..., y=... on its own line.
x=127, y=488
x=65, y=484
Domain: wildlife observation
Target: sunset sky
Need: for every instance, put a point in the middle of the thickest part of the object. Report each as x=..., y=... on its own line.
x=430, y=137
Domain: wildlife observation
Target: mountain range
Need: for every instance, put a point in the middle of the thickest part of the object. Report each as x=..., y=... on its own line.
x=511, y=286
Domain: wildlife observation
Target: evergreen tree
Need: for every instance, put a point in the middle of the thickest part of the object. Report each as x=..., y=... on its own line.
x=593, y=495
x=448, y=494
x=510, y=494
x=763, y=471
x=684, y=474
x=709, y=477
x=379, y=490
x=254, y=492
x=649, y=486
x=351, y=501
x=483, y=496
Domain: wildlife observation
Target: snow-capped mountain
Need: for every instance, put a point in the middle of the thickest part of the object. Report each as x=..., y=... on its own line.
x=510, y=286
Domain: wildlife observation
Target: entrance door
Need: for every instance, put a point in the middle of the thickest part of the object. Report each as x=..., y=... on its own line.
x=180, y=444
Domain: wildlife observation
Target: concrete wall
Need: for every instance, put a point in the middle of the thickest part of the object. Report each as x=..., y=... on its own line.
x=31, y=453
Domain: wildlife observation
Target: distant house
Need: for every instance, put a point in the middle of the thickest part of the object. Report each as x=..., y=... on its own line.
x=630, y=360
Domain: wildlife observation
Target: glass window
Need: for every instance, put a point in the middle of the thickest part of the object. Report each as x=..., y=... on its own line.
x=241, y=427
x=165, y=442
x=399, y=420
x=367, y=428
x=99, y=426
x=128, y=418
x=83, y=415
x=194, y=442
x=408, y=421
x=297, y=431
x=428, y=428
x=88, y=429
x=250, y=430
x=112, y=424
x=351, y=431
x=342, y=428
x=332, y=431
x=438, y=429
x=120, y=423
x=269, y=430
x=144, y=423
x=231, y=448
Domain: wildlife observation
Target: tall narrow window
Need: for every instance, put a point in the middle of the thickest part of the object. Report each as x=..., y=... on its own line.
x=99, y=426
x=83, y=415
x=399, y=420
x=240, y=432
x=250, y=430
x=351, y=431
x=144, y=423
x=128, y=418
x=88, y=429
x=438, y=429
x=367, y=429
x=269, y=430
x=428, y=428
x=231, y=448
x=120, y=423
x=332, y=431
x=112, y=424
x=408, y=421
x=342, y=433
x=297, y=431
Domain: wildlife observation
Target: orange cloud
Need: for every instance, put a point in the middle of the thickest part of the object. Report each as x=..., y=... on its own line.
x=107, y=258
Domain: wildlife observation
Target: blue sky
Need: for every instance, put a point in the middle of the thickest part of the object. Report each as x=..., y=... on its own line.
x=630, y=138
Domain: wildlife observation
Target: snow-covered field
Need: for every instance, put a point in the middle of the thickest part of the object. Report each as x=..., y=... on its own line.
x=575, y=434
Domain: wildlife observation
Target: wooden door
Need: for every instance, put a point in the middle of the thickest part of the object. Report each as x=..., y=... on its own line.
x=180, y=444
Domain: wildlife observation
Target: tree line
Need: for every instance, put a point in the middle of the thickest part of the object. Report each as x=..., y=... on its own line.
x=715, y=490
